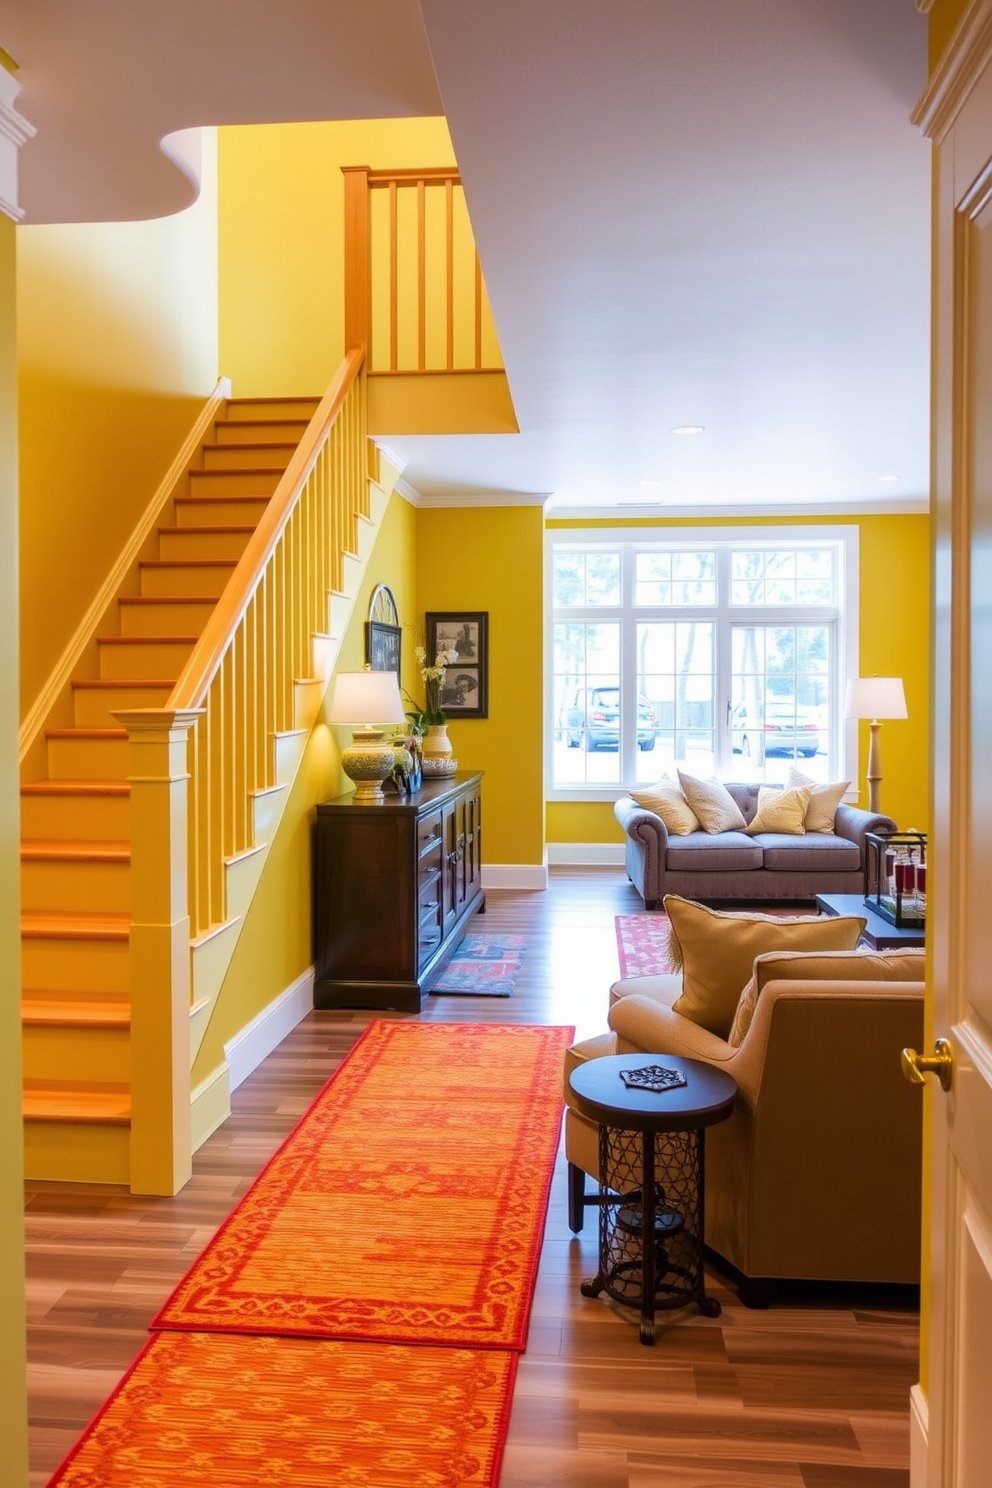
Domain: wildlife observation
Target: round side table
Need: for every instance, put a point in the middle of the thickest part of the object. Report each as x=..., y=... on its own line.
x=651, y=1171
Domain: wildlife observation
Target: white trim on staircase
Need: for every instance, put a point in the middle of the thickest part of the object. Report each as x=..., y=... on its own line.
x=256, y=1041
x=61, y=674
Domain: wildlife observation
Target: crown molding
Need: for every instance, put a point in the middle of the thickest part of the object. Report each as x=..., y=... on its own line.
x=924, y=6
x=908, y=506
x=965, y=58
x=14, y=132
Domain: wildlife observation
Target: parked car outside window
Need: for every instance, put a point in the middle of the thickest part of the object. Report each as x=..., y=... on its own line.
x=777, y=728
x=592, y=719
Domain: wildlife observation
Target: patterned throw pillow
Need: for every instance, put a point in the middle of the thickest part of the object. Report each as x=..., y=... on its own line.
x=823, y=800
x=713, y=804
x=667, y=801
x=717, y=948
x=780, y=811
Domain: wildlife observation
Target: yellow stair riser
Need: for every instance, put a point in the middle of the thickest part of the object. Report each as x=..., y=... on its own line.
x=64, y=1054
x=76, y=965
x=254, y=456
x=89, y=887
x=270, y=410
x=163, y=619
x=189, y=545
x=61, y=1152
x=89, y=818
x=233, y=482
x=93, y=707
x=87, y=759
x=122, y=661
x=241, y=431
x=202, y=583
x=233, y=511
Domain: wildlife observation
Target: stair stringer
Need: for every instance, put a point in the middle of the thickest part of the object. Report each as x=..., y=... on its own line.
x=211, y=953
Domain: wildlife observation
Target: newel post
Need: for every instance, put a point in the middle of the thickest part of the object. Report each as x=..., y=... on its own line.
x=357, y=289
x=161, y=1156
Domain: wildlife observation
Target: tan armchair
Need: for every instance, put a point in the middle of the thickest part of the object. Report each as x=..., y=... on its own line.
x=817, y=1175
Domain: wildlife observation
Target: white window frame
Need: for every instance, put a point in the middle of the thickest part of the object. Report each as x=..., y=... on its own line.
x=843, y=538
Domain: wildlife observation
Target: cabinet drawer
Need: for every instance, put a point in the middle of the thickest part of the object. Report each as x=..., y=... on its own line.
x=429, y=834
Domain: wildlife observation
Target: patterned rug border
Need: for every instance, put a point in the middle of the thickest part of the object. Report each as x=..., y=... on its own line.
x=122, y=1435
x=506, y=1325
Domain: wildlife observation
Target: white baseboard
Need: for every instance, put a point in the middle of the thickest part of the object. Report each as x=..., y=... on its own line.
x=919, y=1416
x=210, y=1106
x=586, y=854
x=256, y=1041
x=515, y=876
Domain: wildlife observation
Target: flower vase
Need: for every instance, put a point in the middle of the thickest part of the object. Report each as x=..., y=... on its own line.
x=438, y=759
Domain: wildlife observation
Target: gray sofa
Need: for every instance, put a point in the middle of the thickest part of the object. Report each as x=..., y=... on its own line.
x=730, y=865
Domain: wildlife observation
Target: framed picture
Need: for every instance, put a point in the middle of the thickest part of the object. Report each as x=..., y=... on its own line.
x=466, y=681
x=382, y=632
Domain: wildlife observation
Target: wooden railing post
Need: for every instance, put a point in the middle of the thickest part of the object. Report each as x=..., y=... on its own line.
x=357, y=289
x=161, y=1156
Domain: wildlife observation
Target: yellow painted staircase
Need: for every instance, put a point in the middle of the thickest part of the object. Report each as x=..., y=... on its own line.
x=76, y=823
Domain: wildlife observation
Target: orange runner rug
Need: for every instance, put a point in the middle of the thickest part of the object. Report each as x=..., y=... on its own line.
x=229, y=1411
x=407, y=1206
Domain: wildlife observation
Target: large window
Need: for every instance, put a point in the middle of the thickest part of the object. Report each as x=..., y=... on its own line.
x=723, y=652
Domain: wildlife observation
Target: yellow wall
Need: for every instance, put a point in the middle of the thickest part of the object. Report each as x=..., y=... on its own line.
x=491, y=558
x=13, y=1387
x=117, y=344
x=281, y=241
x=894, y=580
x=275, y=945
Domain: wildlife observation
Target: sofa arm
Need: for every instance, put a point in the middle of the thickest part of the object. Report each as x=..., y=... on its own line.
x=643, y=1024
x=851, y=822
x=643, y=825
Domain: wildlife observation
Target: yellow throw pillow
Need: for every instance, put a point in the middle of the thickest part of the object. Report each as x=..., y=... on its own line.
x=780, y=811
x=823, y=800
x=831, y=966
x=717, y=950
x=713, y=804
x=667, y=801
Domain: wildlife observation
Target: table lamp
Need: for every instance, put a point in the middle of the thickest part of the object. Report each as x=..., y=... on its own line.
x=368, y=700
x=875, y=698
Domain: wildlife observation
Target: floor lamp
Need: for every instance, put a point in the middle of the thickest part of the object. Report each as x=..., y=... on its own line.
x=875, y=698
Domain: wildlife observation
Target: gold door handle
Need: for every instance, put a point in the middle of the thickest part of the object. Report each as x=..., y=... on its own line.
x=940, y=1063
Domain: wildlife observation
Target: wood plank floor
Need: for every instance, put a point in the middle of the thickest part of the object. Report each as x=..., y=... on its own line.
x=813, y=1393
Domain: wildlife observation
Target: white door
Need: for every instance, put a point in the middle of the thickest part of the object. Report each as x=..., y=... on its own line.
x=957, y=114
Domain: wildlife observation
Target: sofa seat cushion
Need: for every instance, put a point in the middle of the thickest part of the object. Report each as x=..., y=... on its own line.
x=813, y=853
x=665, y=988
x=703, y=852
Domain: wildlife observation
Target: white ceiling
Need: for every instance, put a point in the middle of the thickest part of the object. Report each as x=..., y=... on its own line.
x=711, y=214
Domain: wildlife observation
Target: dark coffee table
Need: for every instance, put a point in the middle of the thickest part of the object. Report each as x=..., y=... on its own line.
x=651, y=1172
x=879, y=934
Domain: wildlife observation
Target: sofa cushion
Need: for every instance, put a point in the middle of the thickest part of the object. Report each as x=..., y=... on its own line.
x=823, y=966
x=780, y=811
x=713, y=804
x=667, y=801
x=717, y=948
x=666, y=988
x=706, y=852
x=816, y=852
x=823, y=800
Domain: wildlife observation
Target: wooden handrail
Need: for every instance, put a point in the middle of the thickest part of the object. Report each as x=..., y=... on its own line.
x=220, y=629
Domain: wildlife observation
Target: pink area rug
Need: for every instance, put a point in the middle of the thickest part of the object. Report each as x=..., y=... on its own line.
x=642, y=944
x=483, y=966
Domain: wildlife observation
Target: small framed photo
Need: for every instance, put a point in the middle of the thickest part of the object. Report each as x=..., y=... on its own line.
x=466, y=681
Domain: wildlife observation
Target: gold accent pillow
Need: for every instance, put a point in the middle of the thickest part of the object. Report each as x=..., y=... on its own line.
x=780, y=810
x=717, y=950
x=713, y=804
x=831, y=966
x=667, y=801
x=823, y=800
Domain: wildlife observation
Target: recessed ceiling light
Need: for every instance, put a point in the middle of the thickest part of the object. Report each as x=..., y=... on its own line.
x=888, y=477
x=689, y=429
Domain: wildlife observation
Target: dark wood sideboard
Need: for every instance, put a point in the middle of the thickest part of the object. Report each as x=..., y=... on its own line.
x=395, y=886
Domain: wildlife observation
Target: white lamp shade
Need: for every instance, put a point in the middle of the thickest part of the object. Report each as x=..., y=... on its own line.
x=875, y=697
x=366, y=697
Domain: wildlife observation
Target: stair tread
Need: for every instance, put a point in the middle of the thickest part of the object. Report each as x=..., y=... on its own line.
x=96, y=684
x=55, y=1010
x=41, y=924
x=167, y=599
x=86, y=733
x=221, y=496
x=155, y=640
x=210, y=531
x=272, y=401
x=105, y=1104
x=237, y=470
x=189, y=562
x=76, y=788
x=257, y=444
x=40, y=849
